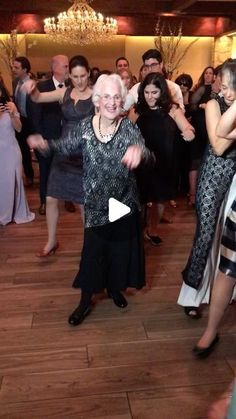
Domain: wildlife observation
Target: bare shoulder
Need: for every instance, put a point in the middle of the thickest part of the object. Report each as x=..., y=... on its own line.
x=212, y=108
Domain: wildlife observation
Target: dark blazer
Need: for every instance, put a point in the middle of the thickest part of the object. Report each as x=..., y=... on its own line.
x=45, y=118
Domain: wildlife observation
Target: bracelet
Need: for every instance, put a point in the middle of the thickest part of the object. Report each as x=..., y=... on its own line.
x=15, y=115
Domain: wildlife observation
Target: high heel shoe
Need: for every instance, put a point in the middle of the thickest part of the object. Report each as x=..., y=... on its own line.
x=205, y=352
x=43, y=253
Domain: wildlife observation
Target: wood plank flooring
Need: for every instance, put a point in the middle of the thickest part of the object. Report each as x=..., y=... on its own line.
x=133, y=363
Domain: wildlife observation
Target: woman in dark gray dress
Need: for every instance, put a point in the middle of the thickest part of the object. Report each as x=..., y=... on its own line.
x=65, y=179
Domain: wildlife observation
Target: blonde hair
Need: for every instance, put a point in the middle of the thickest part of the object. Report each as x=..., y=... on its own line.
x=102, y=80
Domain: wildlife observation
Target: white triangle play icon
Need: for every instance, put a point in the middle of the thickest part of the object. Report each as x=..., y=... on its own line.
x=117, y=209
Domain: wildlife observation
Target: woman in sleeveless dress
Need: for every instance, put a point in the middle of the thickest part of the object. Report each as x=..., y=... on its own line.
x=65, y=179
x=215, y=177
x=13, y=203
x=159, y=121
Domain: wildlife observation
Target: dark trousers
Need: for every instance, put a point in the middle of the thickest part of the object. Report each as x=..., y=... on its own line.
x=44, y=170
x=25, y=150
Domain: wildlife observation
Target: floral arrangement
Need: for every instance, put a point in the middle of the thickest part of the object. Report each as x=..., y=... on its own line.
x=170, y=45
x=10, y=47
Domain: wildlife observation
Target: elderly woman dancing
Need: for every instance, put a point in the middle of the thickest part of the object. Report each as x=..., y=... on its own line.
x=112, y=255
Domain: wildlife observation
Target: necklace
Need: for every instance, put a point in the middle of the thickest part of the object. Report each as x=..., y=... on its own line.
x=105, y=138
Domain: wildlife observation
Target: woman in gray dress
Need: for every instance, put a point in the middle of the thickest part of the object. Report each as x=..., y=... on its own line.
x=65, y=179
x=13, y=202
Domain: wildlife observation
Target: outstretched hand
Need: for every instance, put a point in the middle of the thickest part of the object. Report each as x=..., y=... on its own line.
x=132, y=157
x=37, y=142
x=29, y=86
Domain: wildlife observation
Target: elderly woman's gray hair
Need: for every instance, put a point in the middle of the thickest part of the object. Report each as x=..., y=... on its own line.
x=102, y=80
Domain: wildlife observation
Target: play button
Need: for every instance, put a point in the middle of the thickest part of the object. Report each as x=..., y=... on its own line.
x=117, y=209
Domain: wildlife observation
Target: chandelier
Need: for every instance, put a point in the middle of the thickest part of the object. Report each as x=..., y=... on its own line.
x=80, y=25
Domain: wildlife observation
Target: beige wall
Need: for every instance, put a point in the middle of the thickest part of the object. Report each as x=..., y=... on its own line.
x=204, y=52
x=223, y=49
x=197, y=58
x=102, y=56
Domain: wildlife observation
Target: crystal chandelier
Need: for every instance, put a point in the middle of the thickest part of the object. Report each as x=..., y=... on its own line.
x=80, y=25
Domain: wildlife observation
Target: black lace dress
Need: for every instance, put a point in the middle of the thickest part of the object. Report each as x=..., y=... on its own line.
x=112, y=255
x=215, y=176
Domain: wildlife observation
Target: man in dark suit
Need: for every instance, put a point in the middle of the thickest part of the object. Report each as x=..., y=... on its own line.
x=21, y=71
x=46, y=119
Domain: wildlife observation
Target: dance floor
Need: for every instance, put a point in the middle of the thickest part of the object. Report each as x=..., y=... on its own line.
x=131, y=363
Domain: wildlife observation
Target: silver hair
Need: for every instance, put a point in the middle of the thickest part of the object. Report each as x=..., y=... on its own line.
x=101, y=81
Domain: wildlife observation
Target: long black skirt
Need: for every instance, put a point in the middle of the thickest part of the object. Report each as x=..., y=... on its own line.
x=112, y=257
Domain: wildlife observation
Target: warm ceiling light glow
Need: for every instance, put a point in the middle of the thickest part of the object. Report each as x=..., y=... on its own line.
x=80, y=25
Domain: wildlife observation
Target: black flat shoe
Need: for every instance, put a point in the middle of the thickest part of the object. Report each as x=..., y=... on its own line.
x=193, y=312
x=79, y=315
x=205, y=352
x=118, y=298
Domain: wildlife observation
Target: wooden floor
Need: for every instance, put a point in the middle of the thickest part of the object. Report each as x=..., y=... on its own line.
x=133, y=363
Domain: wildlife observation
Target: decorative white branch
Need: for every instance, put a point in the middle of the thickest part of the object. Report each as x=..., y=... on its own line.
x=170, y=46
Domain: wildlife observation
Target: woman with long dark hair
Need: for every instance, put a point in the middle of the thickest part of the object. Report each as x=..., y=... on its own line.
x=159, y=120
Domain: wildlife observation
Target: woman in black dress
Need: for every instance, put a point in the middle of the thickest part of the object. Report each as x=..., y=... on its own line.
x=159, y=121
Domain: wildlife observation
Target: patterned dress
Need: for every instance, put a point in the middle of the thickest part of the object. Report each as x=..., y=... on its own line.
x=215, y=177
x=112, y=255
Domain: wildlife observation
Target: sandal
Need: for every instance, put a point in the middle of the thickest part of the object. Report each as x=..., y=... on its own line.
x=193, y=312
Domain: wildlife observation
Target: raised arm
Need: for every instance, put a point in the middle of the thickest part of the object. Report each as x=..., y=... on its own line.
x=226, y=126
x=213, y=116
x=43, y=97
